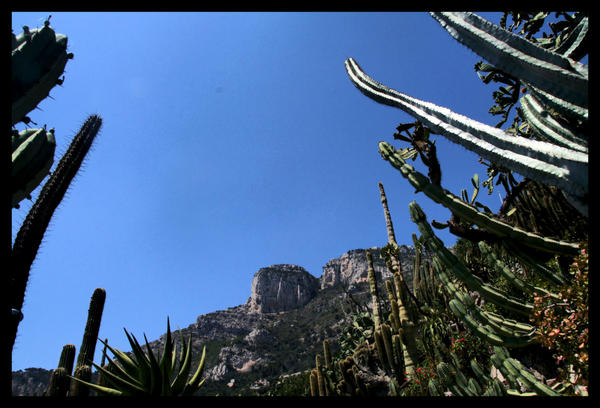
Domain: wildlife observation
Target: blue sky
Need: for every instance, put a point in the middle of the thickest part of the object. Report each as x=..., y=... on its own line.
x=230, y=142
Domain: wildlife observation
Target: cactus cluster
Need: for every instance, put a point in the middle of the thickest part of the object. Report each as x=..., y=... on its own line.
x=38, y=60
x=547, y=145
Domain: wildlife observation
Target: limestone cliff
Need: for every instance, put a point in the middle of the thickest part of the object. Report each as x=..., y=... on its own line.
x=279, y=288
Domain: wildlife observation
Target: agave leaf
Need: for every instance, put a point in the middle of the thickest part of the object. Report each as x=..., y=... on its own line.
x=124, y=384
x=126, y=362
x=178, y=383
x=196, y=382
x=143, y=362
x=100, y=389
x=156, y=378
x=121, y=375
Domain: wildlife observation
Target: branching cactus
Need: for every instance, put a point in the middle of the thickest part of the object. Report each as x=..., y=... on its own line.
x=547, y=145
x=548, y=75
x=38, y=60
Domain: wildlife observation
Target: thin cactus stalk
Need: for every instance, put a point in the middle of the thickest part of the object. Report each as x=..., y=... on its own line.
x=373, y=289
x=314, y=384
x=29, y=237
x=83, y=368
x=469, y=213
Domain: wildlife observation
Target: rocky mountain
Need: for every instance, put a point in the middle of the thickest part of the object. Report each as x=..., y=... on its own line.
x=277, y=332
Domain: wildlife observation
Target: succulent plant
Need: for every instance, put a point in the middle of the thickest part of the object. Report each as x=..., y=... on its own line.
x=38, y=60
x=552, y=158
x=147, y=374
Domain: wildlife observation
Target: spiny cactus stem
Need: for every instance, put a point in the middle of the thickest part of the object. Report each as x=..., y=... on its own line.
x=29, y=237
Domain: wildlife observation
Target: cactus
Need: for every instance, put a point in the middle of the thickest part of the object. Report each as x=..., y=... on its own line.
x=32, y=157
x=60, y=381
x=542, y=161
x=373, y=289
x=555, y=161
x=147, y=375
x=38, y=59
x=29, y=236
x=83, y=369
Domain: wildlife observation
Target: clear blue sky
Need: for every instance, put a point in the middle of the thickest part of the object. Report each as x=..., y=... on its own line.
x=230, y=142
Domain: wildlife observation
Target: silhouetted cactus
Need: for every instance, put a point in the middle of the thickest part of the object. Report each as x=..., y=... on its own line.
x=60, y=381
x=83, y=368
x=29, y=237
x=38, y=59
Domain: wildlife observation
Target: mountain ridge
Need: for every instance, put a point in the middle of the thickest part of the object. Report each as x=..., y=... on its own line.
x=277, y=332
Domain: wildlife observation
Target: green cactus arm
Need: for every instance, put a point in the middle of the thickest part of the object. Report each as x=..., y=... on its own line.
x=548, y=128
x=542, y=270
x=541, y=161
x=500, y=267
x=493, y=329
x=471, y=281
x=515, y=55
x=512, y=368
x=470, y=213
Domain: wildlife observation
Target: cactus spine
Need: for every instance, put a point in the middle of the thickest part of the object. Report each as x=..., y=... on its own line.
x=38, y=59
x=29, y=237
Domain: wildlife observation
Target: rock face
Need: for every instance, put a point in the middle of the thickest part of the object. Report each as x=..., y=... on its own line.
x=280, y=288
x=279, y=330
x=351, y=268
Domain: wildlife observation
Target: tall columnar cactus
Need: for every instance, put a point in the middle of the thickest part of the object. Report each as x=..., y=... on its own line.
x=29, y=237
x=555, y=113
x=83, y=368
x=38, y=59
x=60, y=381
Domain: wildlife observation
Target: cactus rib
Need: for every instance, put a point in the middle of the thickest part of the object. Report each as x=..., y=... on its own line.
x=515, y=55
x=541, y=161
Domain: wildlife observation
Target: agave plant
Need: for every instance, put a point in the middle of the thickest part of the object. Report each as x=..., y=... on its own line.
x=147, y=374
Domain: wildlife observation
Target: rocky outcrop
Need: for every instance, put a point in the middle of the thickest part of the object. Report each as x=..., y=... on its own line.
x=280, y=288
x=351, y=268
x=277, y=331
